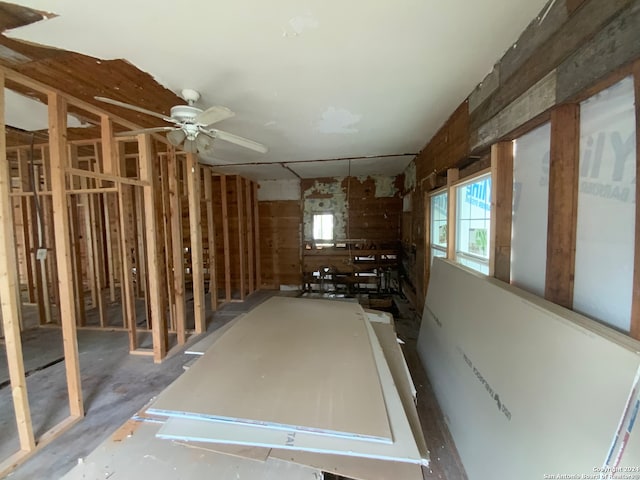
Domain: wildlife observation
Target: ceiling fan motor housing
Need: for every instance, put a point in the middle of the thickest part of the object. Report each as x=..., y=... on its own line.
x=185, y=113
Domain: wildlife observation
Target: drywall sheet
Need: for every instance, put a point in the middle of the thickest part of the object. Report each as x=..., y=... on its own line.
x=394, y=357
x=403, y=448
x=378, y=316
x=203, y=345
x=352, y=467
x=141, y=455
x=273, y=368
x=243, y=451
x=529, y=388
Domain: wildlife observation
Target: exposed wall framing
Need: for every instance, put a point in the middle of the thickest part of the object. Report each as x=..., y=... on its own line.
x=91, y=224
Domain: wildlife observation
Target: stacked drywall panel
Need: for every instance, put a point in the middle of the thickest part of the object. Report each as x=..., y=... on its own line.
x=296, y=386
x=528, y=388
x=273, y=369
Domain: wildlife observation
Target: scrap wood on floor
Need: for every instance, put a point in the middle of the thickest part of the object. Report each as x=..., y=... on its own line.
x=298, y=454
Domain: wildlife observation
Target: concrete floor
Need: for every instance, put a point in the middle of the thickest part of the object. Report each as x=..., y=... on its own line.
x=116, y=385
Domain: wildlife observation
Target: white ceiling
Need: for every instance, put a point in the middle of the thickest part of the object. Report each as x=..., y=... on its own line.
x=29, y=114
x=312, y=80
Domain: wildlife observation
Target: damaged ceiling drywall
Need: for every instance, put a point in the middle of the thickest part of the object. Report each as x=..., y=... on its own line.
x=319, y=80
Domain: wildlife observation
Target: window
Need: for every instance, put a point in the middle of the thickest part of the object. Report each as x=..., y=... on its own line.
x=530, y=210
x=439, y=225
x=473, y=218
x=323, y=226
x=606, y=206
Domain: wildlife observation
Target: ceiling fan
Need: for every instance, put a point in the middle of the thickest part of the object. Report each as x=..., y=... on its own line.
x=191, y=125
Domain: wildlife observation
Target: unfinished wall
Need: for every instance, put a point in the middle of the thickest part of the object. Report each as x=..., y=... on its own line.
x=363, y=207
x=367, y=211
x=567, y=53
x=280, y=223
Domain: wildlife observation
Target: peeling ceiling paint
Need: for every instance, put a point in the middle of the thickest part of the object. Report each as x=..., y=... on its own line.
x=410, y=177
x=385, y=186
x=393, y=71
x=338, y=120
x=301, y=23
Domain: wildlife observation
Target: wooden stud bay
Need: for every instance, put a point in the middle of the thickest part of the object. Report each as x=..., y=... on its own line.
x=9, y=297
x=158, y=321
x=563, y=200
x=241, y=237
x=177, y=243
x=256, y=230
x=225, y=235
x=197, y=268
x=502, y=205
x=58, y=159
x=250, y=257
x=211, y=238
x=107, y=145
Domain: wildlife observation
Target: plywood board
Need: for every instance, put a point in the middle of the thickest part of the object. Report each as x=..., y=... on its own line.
x=273, y=369
x=403, y=448
x=201, y=346
x=523, y=380
x=141, y=455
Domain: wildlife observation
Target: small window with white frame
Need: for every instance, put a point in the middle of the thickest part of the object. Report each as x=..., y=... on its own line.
x=439, y=231
x=473, y=220
x=323, y=229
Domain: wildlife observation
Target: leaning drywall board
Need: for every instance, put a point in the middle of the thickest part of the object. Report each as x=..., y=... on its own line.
x=273, y=367
x=527, y=389
x=143, y=456
x=386, y=335
x=402, y=449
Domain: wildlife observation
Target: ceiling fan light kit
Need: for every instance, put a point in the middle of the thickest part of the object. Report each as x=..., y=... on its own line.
x=176, y=137
x=191, y=125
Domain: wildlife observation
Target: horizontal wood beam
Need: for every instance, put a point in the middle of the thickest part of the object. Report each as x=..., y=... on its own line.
x=107, y=177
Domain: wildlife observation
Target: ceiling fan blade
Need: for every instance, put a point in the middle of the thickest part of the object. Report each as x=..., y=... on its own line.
x=238, y=140
x=134, y=108
x=143, y=130
x=213, y=115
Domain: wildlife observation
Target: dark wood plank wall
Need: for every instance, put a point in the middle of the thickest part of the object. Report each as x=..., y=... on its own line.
x=572, y=50
x=280, y=242
x=371, y=217
x=366, y=214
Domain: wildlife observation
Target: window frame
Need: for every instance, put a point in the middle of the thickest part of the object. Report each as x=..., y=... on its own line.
x=469, y=256
x=323, y=242
x=434, y=246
